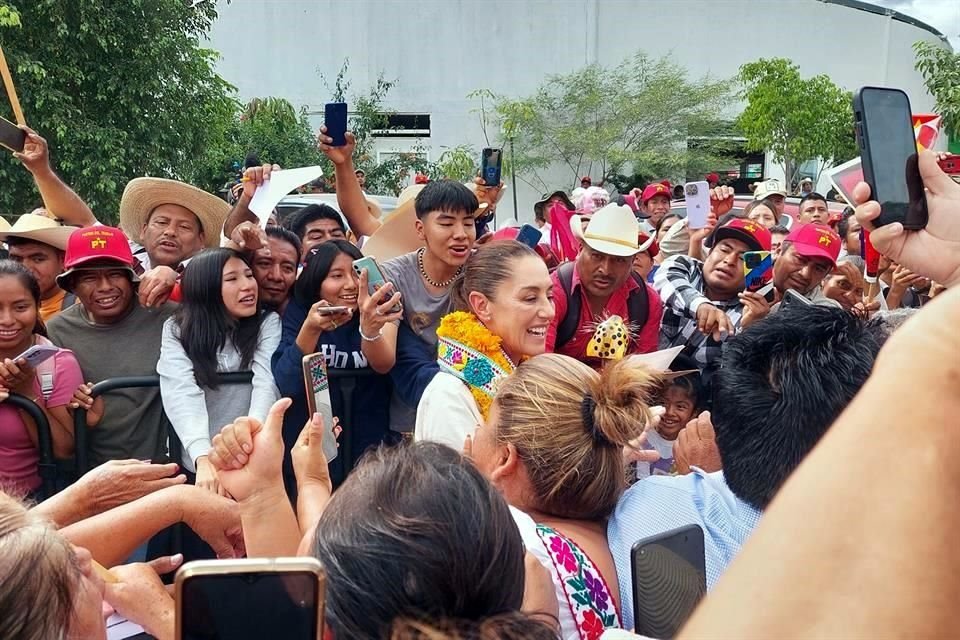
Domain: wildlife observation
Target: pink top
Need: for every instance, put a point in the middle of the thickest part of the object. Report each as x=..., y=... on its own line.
x=18, y=457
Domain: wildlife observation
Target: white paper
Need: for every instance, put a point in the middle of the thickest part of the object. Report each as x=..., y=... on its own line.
x=658, y=360
x=279, y=185
x=119, y=628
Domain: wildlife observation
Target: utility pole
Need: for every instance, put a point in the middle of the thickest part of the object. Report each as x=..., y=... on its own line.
x=513, y=181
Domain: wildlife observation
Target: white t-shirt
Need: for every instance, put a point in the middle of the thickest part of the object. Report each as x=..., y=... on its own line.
x=447, y=412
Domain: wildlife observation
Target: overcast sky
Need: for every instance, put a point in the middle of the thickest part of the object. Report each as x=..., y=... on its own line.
x=943, y=15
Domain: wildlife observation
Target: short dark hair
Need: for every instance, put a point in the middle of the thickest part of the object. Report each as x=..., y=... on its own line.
x=298, y=220
x=445, y=195
x=287, y=236
x=17, y=241
x=813, y=195
x=779, y=228
x=843, y=227
x=439, y=545
x=781, y=385
x=306, y=290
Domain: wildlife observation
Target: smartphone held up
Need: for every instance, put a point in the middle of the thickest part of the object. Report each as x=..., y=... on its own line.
x=335, y=120
x=888, y=150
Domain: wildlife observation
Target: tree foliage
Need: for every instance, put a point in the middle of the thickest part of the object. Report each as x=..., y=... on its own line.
x=795, y=119
x=605, y=121
x=940, y=69
x=119, y=89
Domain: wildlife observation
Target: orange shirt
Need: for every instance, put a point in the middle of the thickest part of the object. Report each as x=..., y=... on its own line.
x=52, y=305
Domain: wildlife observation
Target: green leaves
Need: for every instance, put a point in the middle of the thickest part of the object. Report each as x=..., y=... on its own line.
x=119, y=89
x=795, y=119
x=940, y=69
x=602, y=121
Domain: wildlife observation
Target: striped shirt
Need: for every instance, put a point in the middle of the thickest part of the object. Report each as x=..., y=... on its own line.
x=659, y=504
x=679, y=281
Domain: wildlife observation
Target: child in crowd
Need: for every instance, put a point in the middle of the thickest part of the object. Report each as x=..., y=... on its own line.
x=682, y=401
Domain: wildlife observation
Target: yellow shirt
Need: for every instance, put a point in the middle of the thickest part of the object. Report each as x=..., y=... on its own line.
x=52, y=305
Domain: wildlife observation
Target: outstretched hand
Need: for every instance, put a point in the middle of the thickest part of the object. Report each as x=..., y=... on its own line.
x=933, y=251
x=248, y=454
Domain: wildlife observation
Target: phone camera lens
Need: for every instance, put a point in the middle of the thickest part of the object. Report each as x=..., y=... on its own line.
x=692, y=190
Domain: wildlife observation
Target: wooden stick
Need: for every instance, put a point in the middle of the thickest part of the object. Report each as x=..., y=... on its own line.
x=11, y=90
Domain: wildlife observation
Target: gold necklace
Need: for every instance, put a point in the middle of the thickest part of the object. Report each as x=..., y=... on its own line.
x=430, y=281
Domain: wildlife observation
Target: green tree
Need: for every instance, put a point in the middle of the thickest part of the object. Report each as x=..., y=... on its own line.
x=367, y=115
x=793, y=118
x=940, y=69
x=635, y=117
x=119, y=89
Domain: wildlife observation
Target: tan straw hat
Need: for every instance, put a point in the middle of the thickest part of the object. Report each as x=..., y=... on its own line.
x=612, y=230
x=33, y=226
x=143, y=195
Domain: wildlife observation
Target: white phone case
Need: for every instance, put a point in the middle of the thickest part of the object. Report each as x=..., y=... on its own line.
x=697, y=196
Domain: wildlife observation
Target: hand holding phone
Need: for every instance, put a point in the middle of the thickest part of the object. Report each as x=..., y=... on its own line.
x=697, y=196
x=888, y=149
x=335, y=120
x=490, y=166
x=37, y=354
x=11, y=136
x=375, y=278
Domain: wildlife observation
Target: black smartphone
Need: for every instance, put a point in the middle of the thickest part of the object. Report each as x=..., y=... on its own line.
x=250, y=599
x=529, y=235
x=335, y=119
x=669, y=579
x=888, y=151
x=793, y=299
x=490, y=164
x=12, y=136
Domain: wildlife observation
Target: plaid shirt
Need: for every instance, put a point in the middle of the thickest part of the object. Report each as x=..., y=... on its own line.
x=679, y=281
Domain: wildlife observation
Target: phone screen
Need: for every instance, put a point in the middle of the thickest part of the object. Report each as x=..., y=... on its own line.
x=889, y=148
x=669, y=579
x=335, y=119
x=251, y=606
x=12, y=136
x=491, y=167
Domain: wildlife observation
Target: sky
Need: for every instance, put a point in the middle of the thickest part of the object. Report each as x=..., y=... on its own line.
x=943, y=15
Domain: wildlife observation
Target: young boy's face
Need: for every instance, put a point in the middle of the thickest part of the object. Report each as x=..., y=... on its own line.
x=449, y=236
x=679, y=408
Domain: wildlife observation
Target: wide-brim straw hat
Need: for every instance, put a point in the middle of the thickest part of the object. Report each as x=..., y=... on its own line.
x=143, y=195
x=612, y=230
x=32, y=226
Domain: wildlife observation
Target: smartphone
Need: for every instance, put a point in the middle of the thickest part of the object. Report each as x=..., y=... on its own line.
x=332, y=311
x=757, y=269
x=335, y=119
x=669, y=579
x=793, y=299
x=37, y=354
x=375, y=278
x=250, y=599
x=697, y=196
x=490, y=165
x=317, y=384
x=769, y=292
x=529, y=235
x=888, y=150
x=12, y=136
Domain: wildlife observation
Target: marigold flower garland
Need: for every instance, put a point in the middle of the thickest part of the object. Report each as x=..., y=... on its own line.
x=473, y=353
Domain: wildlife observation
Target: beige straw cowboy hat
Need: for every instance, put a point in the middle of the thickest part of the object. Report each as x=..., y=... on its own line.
x=32, y=226
x=143, y=195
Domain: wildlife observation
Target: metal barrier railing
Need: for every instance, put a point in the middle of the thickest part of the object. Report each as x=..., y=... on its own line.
x=346, y=384
x=48, y=465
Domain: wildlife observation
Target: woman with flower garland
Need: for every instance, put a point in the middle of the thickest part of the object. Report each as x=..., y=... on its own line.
x=563, y=481
x=502, y=305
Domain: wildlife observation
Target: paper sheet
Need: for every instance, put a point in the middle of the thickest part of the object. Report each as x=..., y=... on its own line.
x=658, y=360
x=119, y=628
x=279, y=185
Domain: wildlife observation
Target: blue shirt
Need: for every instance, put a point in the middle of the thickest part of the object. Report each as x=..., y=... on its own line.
x=658, y=504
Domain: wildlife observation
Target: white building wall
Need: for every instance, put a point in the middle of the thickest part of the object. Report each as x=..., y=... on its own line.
x=441, y=50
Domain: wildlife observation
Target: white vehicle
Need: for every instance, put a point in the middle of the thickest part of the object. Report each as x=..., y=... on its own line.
x=295, y=202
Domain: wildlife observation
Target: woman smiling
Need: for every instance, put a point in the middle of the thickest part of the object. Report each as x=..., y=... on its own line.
x=502, y=305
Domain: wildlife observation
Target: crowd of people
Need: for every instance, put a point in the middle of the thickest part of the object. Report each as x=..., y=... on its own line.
x=508, y=446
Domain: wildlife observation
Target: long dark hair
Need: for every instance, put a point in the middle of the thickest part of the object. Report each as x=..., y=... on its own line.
x=29, y=282
x=439, y=546
x=306, y=291
x=202, y=319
